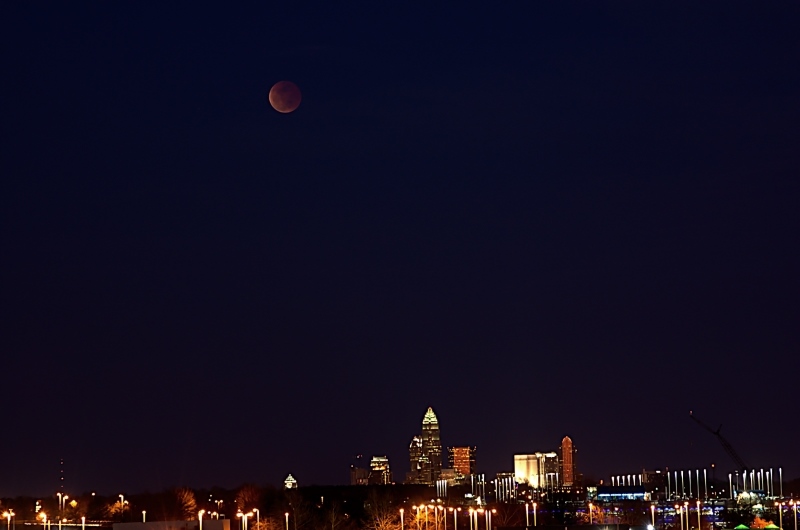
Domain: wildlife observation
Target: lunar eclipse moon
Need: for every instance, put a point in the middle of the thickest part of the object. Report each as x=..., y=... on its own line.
x=284, y=96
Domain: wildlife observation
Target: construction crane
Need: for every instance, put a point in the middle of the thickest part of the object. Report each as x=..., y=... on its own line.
x=725, y=443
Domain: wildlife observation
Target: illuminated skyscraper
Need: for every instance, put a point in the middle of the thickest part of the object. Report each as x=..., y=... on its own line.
x=568, y=475
x=462, y=460
x=425, y=452
x=539, y=470
x=431, y=447
x=379, y=472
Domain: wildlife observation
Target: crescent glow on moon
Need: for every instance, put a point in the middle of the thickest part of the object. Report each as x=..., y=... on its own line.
x=284, y=96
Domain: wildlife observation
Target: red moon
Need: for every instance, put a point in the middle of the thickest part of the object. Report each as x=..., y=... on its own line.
x=284, y=96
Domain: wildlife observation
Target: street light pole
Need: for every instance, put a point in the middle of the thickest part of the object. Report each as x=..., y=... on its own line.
x=653, y=514
x=699, y=527
x=591, y=515
x=402, y=527
x=199, y=517
x=286, y=515
x=144, y=516
x=534, y=513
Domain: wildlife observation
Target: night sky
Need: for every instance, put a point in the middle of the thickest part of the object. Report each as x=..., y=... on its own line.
x=538, y=218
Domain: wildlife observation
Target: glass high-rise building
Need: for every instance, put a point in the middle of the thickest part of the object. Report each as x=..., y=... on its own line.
x=425, y=452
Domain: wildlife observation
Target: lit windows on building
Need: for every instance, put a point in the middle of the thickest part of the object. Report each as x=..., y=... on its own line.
x=462, y=460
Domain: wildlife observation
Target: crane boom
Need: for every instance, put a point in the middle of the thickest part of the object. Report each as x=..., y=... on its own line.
x=725, y=443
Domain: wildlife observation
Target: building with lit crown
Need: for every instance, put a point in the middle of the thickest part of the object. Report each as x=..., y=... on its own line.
x=425, y=452
x=568, y=473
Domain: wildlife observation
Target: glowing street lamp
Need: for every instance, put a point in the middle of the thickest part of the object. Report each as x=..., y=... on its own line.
x=43, y=516
x=653, y=514
x=83, y=523
x=144, y=516
x=455, y=517
x=780, y=513
x=8, y=515
x=199, y=518
x=794, y=506
x=534, y=513
x=471, y=511
x=287, y=520
x=686, y=511
x=258, y=518
x=591, y=514
x=698, y=516
x=527, y=516
x=121, y=507
x=402, y=526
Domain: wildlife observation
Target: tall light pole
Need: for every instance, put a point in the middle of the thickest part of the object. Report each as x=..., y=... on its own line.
x=402, y=526
x=258, y=518
x=121, y=507
x=591, y=515
x=794, y=505
x=780, y=513
x=83, y=523
x=527, y=516
x=286, y=515
x=470, y=518
x=698, y=516
x=534, y=513
x=653, y=514
x=144, y=516
x=199, y=518
x=677, y=507
x=44, y=520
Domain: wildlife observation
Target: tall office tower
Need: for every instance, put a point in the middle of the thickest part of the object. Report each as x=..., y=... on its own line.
x=425, y=453
x=415, y=460
x=568, y=451
x=462, y=460
x=431, y=448
x=379, y=472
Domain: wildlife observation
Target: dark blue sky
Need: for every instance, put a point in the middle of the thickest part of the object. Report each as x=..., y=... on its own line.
x=566, y=218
